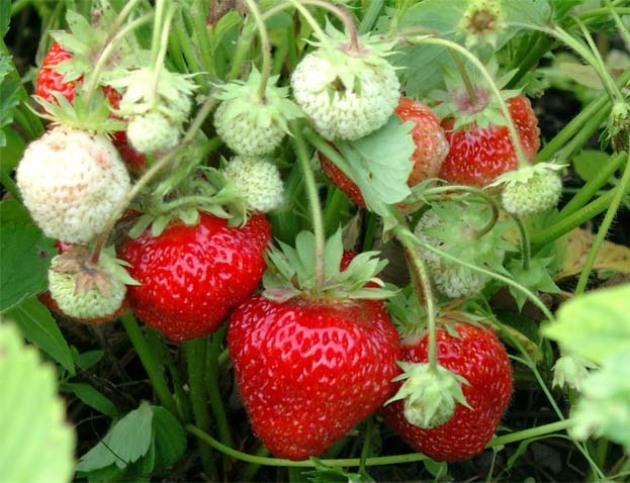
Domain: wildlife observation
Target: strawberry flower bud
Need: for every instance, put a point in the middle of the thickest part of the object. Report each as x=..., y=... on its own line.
x=71, y=183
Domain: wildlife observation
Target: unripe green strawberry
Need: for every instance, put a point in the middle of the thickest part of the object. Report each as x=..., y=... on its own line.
x=72, y=182
x=84, y=291
x=455, y=228
x=152, y=132
x=347, y=93
x=257, y=180
x=249, y=125
x=531, y=190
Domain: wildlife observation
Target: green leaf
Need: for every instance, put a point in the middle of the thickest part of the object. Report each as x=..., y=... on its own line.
x=36, y=443
x=169, y=437
x=604, y=408
x=12, y=151
x=9, y=94
x=40, y=328
x=85, y=360
x=589, y=162
x=92, y=397
x=535, y=278
x=380, y=164
x=5, y=17
x=127, y=441
x=26, y=255
x=594, y=325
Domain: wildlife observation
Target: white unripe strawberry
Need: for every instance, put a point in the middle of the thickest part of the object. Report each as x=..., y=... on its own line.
x=152, y=132
x=257, y=180
x=87, y=303
x=72, y=182
x=249, y=125
x=455, y=229
x=531, y=190
x=347, y=94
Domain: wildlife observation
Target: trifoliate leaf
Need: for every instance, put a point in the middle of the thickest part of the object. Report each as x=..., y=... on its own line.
x=594, y=325
x=32, y=410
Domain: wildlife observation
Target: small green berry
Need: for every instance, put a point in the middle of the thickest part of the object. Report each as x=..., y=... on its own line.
x=152, y=132
x=257, y=180
x=531, y=190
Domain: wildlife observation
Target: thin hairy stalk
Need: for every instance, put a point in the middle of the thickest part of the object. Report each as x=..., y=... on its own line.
x=620, y=191
x=424, y=291
x=158, y=22
x=265, y=47
x=373, y=461
x=108, y=50
x=525, y=243
x=461, y=68
x=315, y=207
x=621, y=27
x=161, y=56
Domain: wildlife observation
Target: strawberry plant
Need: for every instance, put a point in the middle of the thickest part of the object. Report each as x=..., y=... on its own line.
x=314, y=240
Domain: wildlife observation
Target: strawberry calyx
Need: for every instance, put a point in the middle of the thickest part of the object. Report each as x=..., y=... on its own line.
x=429, y=395
x=479, y=108
x=292, y=272
x=242, y=115
x=91, y=113
x=571, y=370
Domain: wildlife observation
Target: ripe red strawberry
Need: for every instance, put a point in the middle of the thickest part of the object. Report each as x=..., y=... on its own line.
x=431, y=149
x=478, y=356
x=191, y=277
x=49, y=82
x=309, y=370
x=478, y=155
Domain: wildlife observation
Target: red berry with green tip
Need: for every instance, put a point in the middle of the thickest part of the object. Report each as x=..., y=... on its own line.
x=50, y=82
x=478, y=356
x=478, y=155
x=310, y=369
x=192, y=277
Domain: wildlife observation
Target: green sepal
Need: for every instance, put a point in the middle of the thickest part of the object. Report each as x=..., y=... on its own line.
x=116, y=267
x=292, y=271
x=430, y=395
x=275, y=108
x=454, y=102
x=93, y=115
x=536, y=277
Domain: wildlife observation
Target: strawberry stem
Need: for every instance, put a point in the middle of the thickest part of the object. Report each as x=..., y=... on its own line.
x=461, y=68
x=316, y=211
x=195, y=352
x=525, y=244
x=107, y=52
x=148, y=176
x=265, y=47
x=161, y=55
x=345, y=18
x=514, y=437
x=620, y=191
x=149, y=362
